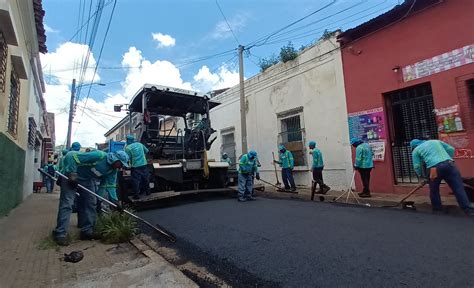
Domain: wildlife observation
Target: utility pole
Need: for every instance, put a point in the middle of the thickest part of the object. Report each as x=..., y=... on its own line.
x=243, y=120
x=71, y=114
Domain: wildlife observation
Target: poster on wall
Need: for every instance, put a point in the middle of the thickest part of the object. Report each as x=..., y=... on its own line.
x=369, y=126
x=451, y=130
x=446, y=61
x=378, y=148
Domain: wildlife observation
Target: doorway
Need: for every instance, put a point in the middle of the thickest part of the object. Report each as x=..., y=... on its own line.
x=411, y=116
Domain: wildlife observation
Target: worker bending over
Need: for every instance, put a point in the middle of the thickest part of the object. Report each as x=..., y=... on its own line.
x=247, y=169
x=84, y=168
x=437, y=157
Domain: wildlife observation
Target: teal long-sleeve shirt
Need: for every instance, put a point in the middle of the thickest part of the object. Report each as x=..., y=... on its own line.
x=93, y=165
x=317, y=158
x=137, y=153
x=430, y=153
x=286, y=160
x=247, y=166
x=363, y=157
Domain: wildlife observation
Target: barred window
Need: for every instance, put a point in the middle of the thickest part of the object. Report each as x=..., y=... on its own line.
x=291, y=134
x=14, y=103
x=32, y=132
x=3, y=62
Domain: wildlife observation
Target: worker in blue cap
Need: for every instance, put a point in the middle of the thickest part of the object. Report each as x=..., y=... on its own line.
x=84, y=168
x=140, y=174
x=287, y=163
x=363, y=163
x=437, y=157
x=317, y=169
x=247, y=169
x=76, y=146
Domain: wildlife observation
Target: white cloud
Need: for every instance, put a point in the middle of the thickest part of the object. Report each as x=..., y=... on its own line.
x=49, y=29
x=158, y=72
x=222, y=31
x=206, y=81
x=164, y=40
x=63, y=63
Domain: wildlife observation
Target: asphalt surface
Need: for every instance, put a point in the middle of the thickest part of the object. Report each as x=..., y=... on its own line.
x=291, y=243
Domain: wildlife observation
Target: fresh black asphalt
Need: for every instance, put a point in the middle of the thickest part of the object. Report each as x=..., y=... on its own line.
x=291, y=243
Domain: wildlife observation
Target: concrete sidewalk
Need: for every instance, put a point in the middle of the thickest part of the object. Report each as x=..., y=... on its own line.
x=29, y=259
x=422, y=201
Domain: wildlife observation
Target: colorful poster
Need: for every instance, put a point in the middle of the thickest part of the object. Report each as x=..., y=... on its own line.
x=368, y=125
x=449, y=60
x=449, y=119
x=378, y=149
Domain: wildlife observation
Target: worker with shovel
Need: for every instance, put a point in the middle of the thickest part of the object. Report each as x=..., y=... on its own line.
x=437, y=157
x=84, y=168
x=287, y=163
x=318, y=166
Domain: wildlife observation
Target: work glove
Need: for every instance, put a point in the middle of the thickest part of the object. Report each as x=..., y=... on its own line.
x=257, y=176
x=72, y=180
x=58, y=181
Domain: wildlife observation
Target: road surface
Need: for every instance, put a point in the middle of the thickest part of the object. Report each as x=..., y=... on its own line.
x=291, y=243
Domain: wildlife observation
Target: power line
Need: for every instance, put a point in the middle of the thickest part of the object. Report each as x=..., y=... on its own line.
x=85, y=23
x=266, y=38
x=100, y=53
x=228, y=25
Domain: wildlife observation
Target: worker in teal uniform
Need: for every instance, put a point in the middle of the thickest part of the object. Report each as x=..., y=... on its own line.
x=437, y=157
x=287, y=163
x=317, y=169
x=247, y=169
x=84, y=168
x=364, y=163
x=49, y=182
x=140, y=175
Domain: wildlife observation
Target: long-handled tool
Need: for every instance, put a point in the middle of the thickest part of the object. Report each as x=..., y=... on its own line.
x=277, y=187
x=349, y=191
x=402, y=202
x=276, y=172
x=168, y=235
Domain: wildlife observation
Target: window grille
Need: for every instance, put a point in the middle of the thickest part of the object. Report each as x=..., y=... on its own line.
x=3, y=62
x=412, y=117
x=14, y=103
x=291, y=136
x=32, y=132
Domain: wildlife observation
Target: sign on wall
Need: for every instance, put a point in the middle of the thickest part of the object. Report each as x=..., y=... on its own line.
x=369, y=126
x=449, y=60
x=451, y=130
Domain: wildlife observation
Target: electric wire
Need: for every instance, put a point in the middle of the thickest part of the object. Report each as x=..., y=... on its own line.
x=228, y=25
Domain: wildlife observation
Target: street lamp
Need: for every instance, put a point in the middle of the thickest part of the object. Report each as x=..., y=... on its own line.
x=71, y=108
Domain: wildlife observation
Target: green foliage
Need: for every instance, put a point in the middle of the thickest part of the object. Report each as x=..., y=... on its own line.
x=115, y=227
x=327, y=35
x=47, y=243
x=288, y=53
x=266, y=63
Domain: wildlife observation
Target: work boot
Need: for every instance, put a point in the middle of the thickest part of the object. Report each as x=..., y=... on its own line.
x=135, y=197
x=293, y=189
x=61, y=241
x=250, y=197
x=364, y=195
x=242, y=199
x=325, y=189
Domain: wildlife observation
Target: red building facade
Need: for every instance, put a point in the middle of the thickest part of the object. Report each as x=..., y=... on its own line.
x=409, y=73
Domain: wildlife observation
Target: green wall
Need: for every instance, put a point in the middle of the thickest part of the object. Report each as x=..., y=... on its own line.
x=12, y=169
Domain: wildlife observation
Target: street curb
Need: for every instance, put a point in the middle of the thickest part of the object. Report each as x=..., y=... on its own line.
x=181, y=279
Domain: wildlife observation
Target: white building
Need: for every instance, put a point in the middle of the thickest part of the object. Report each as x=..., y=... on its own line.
x=26, y=135
x=291, y=103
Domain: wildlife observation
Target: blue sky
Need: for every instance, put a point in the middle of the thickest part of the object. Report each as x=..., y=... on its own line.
x=187, y=29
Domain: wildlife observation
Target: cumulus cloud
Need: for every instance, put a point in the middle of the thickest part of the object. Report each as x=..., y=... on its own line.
x=62, y=63
x=206, y=81
x=158, y=72
x=164, y=40
x=222, y=31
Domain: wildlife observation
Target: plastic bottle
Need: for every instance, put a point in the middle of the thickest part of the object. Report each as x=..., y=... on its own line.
x=458, y=122
x=452, y=124
x=446, y=124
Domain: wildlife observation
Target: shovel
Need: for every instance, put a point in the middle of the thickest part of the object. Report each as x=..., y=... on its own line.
x=276, y=173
